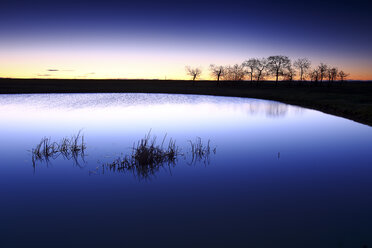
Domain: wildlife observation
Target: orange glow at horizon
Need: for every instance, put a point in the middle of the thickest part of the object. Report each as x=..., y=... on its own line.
x=112, y=64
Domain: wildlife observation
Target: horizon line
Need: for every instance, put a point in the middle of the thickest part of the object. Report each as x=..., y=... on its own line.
x=157, y=79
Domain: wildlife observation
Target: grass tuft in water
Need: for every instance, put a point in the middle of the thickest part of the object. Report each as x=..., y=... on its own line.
x=148, y=153
x=147, y=157
x=69, y=148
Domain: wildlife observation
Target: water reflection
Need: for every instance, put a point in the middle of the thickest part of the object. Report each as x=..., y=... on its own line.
x=276, y=110
x=146, y=159
x=69, y=148
x=305, y=173
x=125, y=165
x=200, y=152
x=47, y=106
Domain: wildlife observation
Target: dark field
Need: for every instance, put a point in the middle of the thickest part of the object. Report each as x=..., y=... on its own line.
x=352, y=100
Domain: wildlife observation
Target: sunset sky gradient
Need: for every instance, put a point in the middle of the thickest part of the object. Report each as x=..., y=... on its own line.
x=157, y=39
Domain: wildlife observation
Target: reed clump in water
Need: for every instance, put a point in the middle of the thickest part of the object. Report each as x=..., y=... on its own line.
x=44, y=150
x=72, y=148
x=147, y=157
x=69, y=148
x=148, y=153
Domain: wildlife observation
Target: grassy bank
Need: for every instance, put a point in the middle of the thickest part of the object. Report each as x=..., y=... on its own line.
x=349, y=100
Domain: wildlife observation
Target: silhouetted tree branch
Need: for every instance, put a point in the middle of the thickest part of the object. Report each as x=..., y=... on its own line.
x=193, y=72
x=261, y=67
x=290, y=73
x=334, y=74
x=314, y=75
x=277, y=64
x=251, y=64
x=234, y=73
x=322, y=68
x=217, y=71
x=343, y=75
x=303, y=65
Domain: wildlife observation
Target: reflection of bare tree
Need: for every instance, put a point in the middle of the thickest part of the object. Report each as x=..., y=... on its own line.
x=270, y=109
x=298, y=110
x=276, y=109
x=262, y=107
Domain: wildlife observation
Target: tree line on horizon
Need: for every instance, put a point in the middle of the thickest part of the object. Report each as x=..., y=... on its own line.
x=278, y=67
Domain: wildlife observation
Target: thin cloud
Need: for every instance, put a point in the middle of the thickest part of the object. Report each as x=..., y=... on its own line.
x=56, y=70
x=44, y=75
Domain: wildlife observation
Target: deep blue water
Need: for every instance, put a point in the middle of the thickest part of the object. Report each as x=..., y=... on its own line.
x=282, y=176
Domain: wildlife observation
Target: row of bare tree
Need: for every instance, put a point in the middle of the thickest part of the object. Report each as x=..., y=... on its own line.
x=274, y=67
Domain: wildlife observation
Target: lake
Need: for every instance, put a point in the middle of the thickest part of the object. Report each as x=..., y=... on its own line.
x=275, y=175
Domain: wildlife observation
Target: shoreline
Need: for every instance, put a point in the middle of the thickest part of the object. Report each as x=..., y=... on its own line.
x=351, y=100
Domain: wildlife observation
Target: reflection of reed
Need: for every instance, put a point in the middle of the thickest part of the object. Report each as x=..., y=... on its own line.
x=200, y=152
x=69, y=148
x=148, y=158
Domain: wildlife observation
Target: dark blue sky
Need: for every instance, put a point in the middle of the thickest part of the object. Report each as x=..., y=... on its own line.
x=316, y=29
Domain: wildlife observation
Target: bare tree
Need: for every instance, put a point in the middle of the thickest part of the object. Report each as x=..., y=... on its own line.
x=334, y=74
x=277, y=65
x=251, y=64
x=261, y=67
x=193, y=72
x=343, y=75
x=322, y=68
x=314, y=75
x=303, y=65
x=289, y=73
x=329, y=74
x=234, y=73
x=217, y=71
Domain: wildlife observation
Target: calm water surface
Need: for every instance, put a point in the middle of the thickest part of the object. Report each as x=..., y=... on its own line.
x=282, y=176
